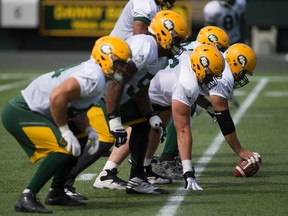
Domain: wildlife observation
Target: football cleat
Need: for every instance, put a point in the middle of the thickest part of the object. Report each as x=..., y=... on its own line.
x=140, y=186
x=59, y=197
x=154, y=178
x=170, y=169
x=71, y=192
x=29, y=203
x=108, y=179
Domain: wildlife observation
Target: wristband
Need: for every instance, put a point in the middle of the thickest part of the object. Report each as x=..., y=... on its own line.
x=64, y=128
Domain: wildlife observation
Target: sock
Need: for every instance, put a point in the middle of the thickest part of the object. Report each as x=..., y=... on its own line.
x=138, y=145
x=85, y=160
x=47, y=169
x=110, y=165
x=187, y=166
x=147, y=161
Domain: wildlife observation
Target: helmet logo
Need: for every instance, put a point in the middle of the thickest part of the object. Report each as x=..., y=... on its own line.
x=106, y=49
x=242, y=60
x=212, y=38
x=168, y=24
x=204, y=61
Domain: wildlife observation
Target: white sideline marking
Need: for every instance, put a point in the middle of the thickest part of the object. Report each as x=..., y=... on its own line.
x=14, y=85
x=175, y=200
x=5, y=76
x=86, y=176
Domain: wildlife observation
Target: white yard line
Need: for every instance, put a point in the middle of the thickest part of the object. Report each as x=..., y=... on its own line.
x=14, y=85
x=176, y=199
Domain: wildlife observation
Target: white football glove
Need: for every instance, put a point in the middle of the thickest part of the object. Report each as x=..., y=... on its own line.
x=73, y=145
x=190, y=181
x=94, y=140
x=156, y=123
x=118, y=131
x=254, y=159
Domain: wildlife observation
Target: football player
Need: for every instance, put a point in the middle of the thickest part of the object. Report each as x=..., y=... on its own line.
x=128, y=103
x=228, y=15
x=241, y=61
x=50, y=113
x=137, y=15
x=134, y=19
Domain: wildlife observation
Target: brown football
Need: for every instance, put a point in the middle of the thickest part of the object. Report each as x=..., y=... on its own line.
x=244, y=169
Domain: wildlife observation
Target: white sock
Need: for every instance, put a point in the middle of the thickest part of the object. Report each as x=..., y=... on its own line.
x=26, y=190
x=147, y=161
x=110, y=165
x=187, y=165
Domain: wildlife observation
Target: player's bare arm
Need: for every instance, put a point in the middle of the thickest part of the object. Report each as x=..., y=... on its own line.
x=68, y=91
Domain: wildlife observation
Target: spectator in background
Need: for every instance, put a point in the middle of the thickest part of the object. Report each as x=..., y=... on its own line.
x=229, y=15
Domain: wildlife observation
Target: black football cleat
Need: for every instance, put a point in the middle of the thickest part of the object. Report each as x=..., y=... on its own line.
x=29, y=203
x=59, y=197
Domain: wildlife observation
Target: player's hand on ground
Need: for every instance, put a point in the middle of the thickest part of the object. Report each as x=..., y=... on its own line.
x=190, y=181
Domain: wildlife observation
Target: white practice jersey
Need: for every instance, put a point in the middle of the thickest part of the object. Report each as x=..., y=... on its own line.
x=143, y=10
x=91, y=80
x=145, y=55
x=176, y=82
x=226, y=18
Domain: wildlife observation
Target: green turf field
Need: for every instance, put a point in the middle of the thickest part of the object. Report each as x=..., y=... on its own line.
x=262, y=122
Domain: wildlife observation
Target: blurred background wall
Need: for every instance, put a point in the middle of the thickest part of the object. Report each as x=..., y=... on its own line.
x=74, y=25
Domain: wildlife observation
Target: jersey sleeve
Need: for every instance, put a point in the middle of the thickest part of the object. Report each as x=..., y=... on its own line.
x=187, y=89
x=145, y=11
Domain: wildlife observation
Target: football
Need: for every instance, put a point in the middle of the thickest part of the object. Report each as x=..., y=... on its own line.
x=244, y=169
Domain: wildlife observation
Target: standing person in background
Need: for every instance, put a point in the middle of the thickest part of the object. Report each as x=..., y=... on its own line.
x=134, y=19
x=229, y=15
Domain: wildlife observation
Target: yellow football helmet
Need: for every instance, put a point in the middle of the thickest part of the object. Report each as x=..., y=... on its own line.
x=208, y=64
x=214, y=36
x=170, y=30
x=241, y=60
x=108, y=50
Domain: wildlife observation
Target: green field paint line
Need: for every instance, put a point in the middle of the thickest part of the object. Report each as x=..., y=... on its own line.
x=176, y=199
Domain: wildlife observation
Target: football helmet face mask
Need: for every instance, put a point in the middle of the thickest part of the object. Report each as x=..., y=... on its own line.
x=208, y=64
x=170, y=30
x=227, y=3
x=242, y=61
x=112, y=54
x=214, y=36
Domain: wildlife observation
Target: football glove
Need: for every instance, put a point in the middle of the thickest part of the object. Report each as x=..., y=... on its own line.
x=118, y=131
x=254, y=159
x=94, y=140
x=190, y=181
x=72, y=144
x=211, y=112
x=156, y=123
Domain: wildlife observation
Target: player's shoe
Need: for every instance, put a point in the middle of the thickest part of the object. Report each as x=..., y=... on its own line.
x=29, y=203
x=108, y=179
x=171, y=169
x=137, y=185
x=59, y=197
x=154, y=178
x=71, y=192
